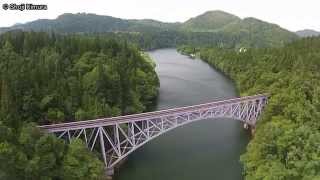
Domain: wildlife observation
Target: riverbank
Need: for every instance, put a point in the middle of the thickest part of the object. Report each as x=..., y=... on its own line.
x=285, y=143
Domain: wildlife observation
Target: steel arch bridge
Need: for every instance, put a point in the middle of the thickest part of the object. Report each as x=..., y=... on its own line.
x=117, y=137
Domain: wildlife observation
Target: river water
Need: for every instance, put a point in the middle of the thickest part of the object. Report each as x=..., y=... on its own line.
x=205, y=150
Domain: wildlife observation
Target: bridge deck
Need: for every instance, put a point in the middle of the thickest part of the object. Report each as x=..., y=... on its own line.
x=139, y=117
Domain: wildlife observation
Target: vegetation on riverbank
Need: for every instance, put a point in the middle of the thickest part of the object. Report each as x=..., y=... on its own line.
x=287, y=140
x=50, y=78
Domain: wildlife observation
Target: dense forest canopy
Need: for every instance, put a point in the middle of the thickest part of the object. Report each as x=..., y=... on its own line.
x=287, y=140
x=50, y=78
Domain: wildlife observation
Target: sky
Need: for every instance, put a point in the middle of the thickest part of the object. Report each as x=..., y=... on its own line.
x=290, y=14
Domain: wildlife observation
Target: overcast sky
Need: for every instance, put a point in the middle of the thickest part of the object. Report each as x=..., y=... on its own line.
x=290, y=14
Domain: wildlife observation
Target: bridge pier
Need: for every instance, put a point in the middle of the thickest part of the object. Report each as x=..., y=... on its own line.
x=109, y=172
x=249, y=127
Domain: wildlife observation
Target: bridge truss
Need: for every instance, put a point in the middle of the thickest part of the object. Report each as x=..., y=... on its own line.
x=117, y=137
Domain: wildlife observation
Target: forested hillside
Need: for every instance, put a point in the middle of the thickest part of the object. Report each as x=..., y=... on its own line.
x=252, y=32
x=287, y=140
x=92, y=23
x=212, y=28
x=172, y=39
x=49, y=78
x=209, y=21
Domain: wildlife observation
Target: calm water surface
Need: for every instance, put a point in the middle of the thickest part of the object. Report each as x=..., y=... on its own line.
x=205, y=150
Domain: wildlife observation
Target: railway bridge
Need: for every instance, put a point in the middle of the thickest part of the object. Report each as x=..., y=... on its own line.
x=117, y=137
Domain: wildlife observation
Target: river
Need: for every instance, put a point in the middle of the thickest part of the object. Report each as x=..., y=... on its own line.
x=205, y=150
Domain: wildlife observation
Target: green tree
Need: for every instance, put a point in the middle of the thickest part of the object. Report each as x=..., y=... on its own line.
x=79, y=163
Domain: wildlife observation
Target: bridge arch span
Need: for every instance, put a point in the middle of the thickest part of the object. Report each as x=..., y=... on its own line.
x=117, y=137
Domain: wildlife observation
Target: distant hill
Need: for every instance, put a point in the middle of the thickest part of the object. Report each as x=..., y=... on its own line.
x=89, y=23
x=249, y=31
x=156, y=24
x=225, y=29
x=307, y=33
x=258, y=33
x=209, y=21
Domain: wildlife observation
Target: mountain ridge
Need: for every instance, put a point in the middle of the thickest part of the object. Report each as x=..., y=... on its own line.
x=307, y=33
x=212, y=15
x=210, y=20
x=250, y=31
